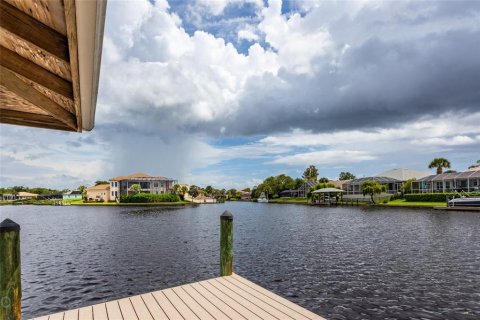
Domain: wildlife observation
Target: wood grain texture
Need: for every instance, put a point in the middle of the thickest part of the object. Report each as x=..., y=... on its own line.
x=35, y=54
x=16, y=85
x=48, y=12
x=11, y=101
x=71, y=23
x=26, y=68
x=10, y=280
x=33, y=31
x=32, y=120
x=226, y=246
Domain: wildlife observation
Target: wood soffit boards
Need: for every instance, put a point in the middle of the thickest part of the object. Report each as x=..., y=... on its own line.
x=39, y=82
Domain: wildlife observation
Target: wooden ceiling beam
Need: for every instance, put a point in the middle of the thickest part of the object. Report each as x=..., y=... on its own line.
x=13, y=83
x=33, y=31
x=31, y=120
x=71, y=25
x=49, y=12
x=35, y=54
x=32, y=71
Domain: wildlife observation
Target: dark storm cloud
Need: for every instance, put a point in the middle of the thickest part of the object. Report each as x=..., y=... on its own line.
x=387, y=64
x=378, y=84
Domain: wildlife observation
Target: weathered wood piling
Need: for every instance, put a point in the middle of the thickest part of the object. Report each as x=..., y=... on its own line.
x=226, y=244
x=10, y=275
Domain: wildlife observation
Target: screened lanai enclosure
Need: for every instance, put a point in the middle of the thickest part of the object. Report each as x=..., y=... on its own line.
x=393, y=185
x=466, y=181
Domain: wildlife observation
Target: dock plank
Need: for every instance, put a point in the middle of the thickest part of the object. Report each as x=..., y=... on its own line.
x=140, y=308
x=56, y=316
x=285, y=302
x=71, y=315
x=230, y=298
x=127, y=309
x=207, y=305
x=167, y=306
x=253, y=299
x=196, y=308
x=100, y=312
x=245, y=312
x=113, y=310
x=184, y=310
x=221, y=305
x=277, y=305
x=241, y=300
x=154, y=308
x=85, y=313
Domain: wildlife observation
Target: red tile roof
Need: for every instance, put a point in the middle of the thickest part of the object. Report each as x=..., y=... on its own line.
x=137, y=175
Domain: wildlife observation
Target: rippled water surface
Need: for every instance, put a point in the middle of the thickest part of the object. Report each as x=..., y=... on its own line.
x=342, y=263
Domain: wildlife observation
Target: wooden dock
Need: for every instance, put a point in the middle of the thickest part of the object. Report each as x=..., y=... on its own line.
x=229, y=297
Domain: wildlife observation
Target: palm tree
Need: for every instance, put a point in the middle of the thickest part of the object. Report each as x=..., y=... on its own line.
x=439, y=163
x=176, y=188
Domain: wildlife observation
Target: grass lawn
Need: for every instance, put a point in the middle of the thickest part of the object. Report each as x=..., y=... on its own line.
x=288, y=200
x=402, y=202
x=180, y=203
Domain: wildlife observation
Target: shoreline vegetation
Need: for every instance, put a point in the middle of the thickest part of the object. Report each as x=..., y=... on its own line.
x=304, y=201
x=392, y=203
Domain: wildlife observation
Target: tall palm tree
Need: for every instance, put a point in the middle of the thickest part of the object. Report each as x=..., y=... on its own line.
x=439, y=163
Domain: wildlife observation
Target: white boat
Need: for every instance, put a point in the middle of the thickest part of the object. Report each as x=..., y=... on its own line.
x=263, y=198
x=465, y=202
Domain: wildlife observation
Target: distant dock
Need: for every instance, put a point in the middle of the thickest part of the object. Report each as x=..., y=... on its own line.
x=458, y=208
x=228, y=297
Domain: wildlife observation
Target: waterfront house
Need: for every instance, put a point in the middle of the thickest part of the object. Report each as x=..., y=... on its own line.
x=392, y=179
x=203, y=199
x=300, y=192
x=72, y=195
x=148, y=184
x=404, y=174
x=466, y=181
x=99, y=193
x=340, y=184
x=8, y=197
x=245, y=195
x=393, y=186
x=51, y=196
x=22, y=195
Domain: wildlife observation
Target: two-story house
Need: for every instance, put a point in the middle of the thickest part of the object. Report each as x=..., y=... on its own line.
x=148, y=184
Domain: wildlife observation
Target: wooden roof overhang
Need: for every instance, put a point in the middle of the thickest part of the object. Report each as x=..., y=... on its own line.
x=50, y=52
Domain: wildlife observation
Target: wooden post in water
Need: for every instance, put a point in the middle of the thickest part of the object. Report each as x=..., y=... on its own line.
x=226, y=244
x=10, y=280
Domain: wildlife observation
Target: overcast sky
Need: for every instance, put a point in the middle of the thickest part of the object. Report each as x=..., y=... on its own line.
x=228, y=92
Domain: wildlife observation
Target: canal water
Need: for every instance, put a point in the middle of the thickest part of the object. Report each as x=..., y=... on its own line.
x=342, y=263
